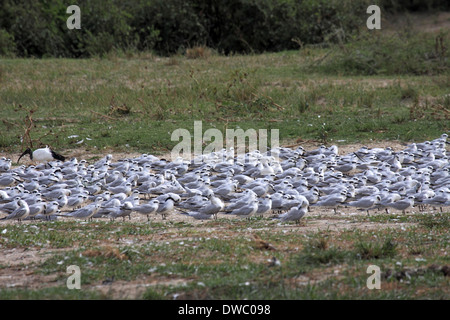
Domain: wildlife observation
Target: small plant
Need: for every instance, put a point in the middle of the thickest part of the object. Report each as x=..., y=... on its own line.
x=172, y=61
x=324, y=132
x=198, y=52
x=409, y=93
x=416, y=250
x=322, y=257
x=119, y=110
x=152, y=294
x=27, y=125
x=321, y=243
x=237, y=88
x=376, y=250
x=435, y=221
x=318, y=252
x=159, y=113
x=302, y=104
x=365, y=100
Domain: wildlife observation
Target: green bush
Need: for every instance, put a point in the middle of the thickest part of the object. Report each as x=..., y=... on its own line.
x=38, y=28
x=104, y=27
x=167, y=26
x=414, y=5
x=35, y=26
x=7, y=44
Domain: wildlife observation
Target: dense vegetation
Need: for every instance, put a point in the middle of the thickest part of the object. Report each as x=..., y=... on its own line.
x=31, y=28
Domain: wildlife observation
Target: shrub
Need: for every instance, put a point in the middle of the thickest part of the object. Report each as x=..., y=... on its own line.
x=35, y=27
x=7, y=44
x=38, y=28
x=104, y=27
x=414, y=5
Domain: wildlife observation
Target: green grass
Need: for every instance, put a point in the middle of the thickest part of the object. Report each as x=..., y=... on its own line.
x=228, y=262
x=58, y=293
x=136, y=103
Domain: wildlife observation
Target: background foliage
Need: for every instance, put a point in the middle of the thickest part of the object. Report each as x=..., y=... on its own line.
x=31, y=28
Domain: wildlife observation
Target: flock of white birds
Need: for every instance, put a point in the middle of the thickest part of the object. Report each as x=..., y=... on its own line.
x=285, y=187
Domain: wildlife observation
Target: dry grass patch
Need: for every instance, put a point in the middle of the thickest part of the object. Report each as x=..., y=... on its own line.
x=106, y=252
x=199, y=52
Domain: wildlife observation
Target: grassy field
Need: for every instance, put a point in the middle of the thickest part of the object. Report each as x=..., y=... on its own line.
x=230, y=259
x=379, y=87
x=131, y=103
x=139, y=103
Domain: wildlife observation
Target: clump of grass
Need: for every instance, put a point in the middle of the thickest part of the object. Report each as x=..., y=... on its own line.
x=152, y=294
x=376, y=250
x=430, y=108
x=318, y=257
x=198, y=52
x=119, y=110
x=435, y=221
x=51, y=293
x=238, y=88
x=445, y=102
x=302, y=104
x=409, y=93
x=416, y=250
x=172, y=61
x=366, y=100
x=318, y=252
x=160, y=113
x=107, y=252
x=321, y=243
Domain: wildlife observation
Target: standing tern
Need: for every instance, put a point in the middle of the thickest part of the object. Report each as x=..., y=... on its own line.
x=264, y=206
x=209, y=209
x=402, y=204
x=365, y=203
x=147, y=209
x=295, y=213
x=247, y=210
x=37, y=208
x=333, y=200
x=86, y=212
x=166, y=207
x=19, y=213
x=123, y=210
